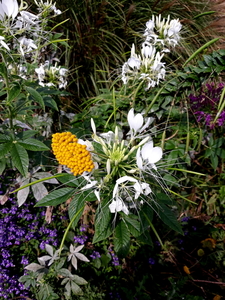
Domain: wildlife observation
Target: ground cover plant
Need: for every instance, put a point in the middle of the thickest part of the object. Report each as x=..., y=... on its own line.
x=125, y=199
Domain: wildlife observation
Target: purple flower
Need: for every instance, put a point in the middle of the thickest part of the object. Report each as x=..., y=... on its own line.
x=95, y=255
x=80, y=239
x=151, y=261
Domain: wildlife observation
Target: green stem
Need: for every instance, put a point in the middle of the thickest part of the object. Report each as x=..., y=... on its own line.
x=200, y=50
x=39, y=180
x=154, y=230
x=68, y=228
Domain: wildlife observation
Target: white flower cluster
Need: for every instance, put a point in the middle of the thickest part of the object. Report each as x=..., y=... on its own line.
x=129, y=164
x=148, y=66
x=52, y=75
x=24, y=33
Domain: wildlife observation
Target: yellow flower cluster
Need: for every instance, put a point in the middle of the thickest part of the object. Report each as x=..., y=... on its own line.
x=70, y=153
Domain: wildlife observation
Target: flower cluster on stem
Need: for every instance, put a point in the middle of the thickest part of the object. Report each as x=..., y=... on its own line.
x=126, y=167
x=159, y=36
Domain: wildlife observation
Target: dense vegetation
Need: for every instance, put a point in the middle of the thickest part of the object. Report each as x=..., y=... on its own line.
x=112, y=150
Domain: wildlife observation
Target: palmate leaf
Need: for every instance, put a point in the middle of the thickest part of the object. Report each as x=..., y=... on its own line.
x=19, y=158
x=121, y=239
x=33, y=145
x=56, y=197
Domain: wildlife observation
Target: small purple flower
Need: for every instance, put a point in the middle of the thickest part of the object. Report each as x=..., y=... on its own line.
x=185, y=219
x=80, y=239
x=95, y=255
x=151, y=261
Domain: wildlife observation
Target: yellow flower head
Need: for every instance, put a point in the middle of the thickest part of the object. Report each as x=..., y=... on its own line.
x=70, y=153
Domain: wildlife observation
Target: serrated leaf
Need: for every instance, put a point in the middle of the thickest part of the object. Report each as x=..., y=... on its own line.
x=5, y=148
x=36, y=96
x=103, y=223
x=121, y=239
x=69, y=180
x=14, y=91
x=168, y=217
x=50, y=103
x=133, y=224
x=33, y=145
x=75, y=205
x=26, y=134
x=56, y=197
x=4, y=138
x=19, y=158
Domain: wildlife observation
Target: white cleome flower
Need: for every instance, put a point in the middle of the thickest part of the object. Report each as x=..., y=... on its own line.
x=126, y=190
x=26, y=45
x=148, y=156
x=163, y=31
x=3, y=44
x=8, y=8
x=136, y=122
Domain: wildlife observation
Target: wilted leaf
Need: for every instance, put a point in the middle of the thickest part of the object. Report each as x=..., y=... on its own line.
x=39, y=190
x=23, y=194
x=48, y=214
x=4, y=198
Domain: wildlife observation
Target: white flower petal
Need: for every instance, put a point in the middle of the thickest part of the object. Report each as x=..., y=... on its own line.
x=155, y=155
x=146, y=149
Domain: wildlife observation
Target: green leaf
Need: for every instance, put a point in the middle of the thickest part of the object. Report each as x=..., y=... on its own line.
x=121, y=239
x=76, y=289
x=103, y=223
x=5, y=148
x=14, y=91
x=2, y=165
x=145, y=238
x=26, y=134
x=4, y=138
x=36, y=96
x=56, y=197
x=69, y=180
x=3, y=70
x=75, y=205
x=19, y=158
x=133, y=224
x=214, y=161
x=79, y=280
x=33, y=145
x=48, y=101
x=168, y=217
